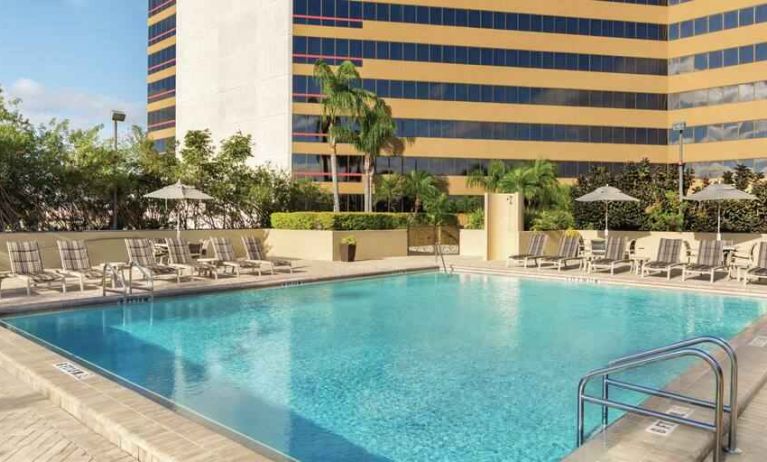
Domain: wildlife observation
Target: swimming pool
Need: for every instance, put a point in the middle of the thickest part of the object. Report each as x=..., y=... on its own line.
x=404, y=368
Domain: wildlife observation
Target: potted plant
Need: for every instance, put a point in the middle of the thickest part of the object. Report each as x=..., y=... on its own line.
x=348, y=248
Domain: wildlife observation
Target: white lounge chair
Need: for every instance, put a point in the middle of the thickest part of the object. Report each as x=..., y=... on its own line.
x=27, y=265
x=615, y=256
x=254, y=251
x=667, y=259
x=75, y=262
x=535, y=249
x=710, y=259
x=222, y=248
x=180, y=256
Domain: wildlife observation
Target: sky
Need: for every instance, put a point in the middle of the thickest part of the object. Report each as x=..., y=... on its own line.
x=75, y=59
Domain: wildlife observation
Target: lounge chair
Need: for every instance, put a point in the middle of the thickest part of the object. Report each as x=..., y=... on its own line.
x=76, y=263
x=141, y=254
x=255, y=254
x=759, y=270
x=710, y=259
x=615, y=256
x=27, y=265
x=569, y=249
x=180, y=257
x=667, y=259
x=535, y=249
x=224, y=252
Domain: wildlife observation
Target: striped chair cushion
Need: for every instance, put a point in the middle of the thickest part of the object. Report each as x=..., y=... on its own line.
x=537, y=245
x=178, y=251
x=570, y=247
x=222, y=247
x=669, y=249
x=252, y=248
x=25, y=257
x=140, y=252
x=761, y=256
x=74, y=255
x=616, y=248
x=710, y=253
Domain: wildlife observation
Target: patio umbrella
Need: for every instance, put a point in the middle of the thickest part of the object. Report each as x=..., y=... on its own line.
x=607, y=194
x=180, y=192
x=718, y=193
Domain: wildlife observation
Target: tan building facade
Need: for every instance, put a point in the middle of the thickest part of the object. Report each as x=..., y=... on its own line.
x=579, y=82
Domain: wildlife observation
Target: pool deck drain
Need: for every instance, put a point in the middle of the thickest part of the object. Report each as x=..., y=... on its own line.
x=125, y=425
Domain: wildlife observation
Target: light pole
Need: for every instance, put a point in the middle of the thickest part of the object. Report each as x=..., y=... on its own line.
x=680, y=127
x=117, y=116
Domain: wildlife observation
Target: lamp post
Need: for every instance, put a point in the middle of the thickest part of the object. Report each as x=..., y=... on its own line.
x=117, y=116
x=680, y=127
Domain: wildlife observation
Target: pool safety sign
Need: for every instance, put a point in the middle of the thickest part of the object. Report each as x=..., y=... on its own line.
x=664, y=428
x=72, y=370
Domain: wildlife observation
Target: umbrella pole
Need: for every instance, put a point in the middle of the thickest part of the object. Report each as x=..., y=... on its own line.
x=178, y=221
x=719, y=221
x=607, y=216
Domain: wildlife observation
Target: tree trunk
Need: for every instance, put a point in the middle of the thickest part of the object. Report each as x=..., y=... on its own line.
x=368, y=182
x=334, y=176
x=114, y=208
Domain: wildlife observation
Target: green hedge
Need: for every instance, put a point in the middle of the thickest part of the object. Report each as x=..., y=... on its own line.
x=344, y=221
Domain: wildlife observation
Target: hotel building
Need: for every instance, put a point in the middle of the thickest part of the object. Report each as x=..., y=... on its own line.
x=578, y=82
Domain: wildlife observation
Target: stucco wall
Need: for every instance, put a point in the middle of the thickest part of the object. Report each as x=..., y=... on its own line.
x=373, y=245
x=234, y=72
x=473, y=243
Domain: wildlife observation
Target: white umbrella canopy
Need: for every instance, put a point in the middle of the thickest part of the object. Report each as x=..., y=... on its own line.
x=719, y=192
x=607, y=194
x=181, y=192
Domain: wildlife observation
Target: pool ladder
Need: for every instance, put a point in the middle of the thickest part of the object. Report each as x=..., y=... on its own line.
x=685, y=348
x=122, y=287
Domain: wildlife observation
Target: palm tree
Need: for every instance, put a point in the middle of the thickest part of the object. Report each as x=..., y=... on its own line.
x=389, y=189
x=490, y=180
x=419, y=184
x=342, y=96
x=375, y=133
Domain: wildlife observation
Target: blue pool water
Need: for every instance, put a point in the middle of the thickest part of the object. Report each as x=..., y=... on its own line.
x=406, y=368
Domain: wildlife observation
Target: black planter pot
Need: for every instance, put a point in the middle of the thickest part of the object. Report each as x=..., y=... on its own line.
x=348, y=251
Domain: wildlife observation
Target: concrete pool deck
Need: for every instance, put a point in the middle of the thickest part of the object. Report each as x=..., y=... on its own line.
x=127, y=424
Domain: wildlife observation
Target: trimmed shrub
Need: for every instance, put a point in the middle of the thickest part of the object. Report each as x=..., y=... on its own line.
x=344, y=221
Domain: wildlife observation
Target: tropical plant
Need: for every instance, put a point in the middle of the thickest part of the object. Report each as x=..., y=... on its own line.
x=343, y=102
x=476, y=219
x=389, y=189
x=490, y=179
x=374, y=133
x=419, y=185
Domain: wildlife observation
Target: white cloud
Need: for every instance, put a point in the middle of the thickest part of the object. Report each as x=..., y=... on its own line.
x=40, y=104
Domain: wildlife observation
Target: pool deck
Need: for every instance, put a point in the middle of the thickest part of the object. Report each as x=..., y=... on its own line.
x=98, y=419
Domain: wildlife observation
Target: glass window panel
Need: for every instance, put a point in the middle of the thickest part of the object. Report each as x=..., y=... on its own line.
x=715, y=59
x=715, y=23
x=761, y=52
x=731, y=57
x=701, y=26
x=746, y=17
x=761, y=13
x=760, y=90
x=715, y=96
x=729, y=94
x=746, y=54
x=746, y=92
x=701, y=62
x=687, y=29
x=731, y=20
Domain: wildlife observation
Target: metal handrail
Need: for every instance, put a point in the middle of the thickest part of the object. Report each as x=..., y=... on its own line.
x=732, y=409
x=643, y=360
